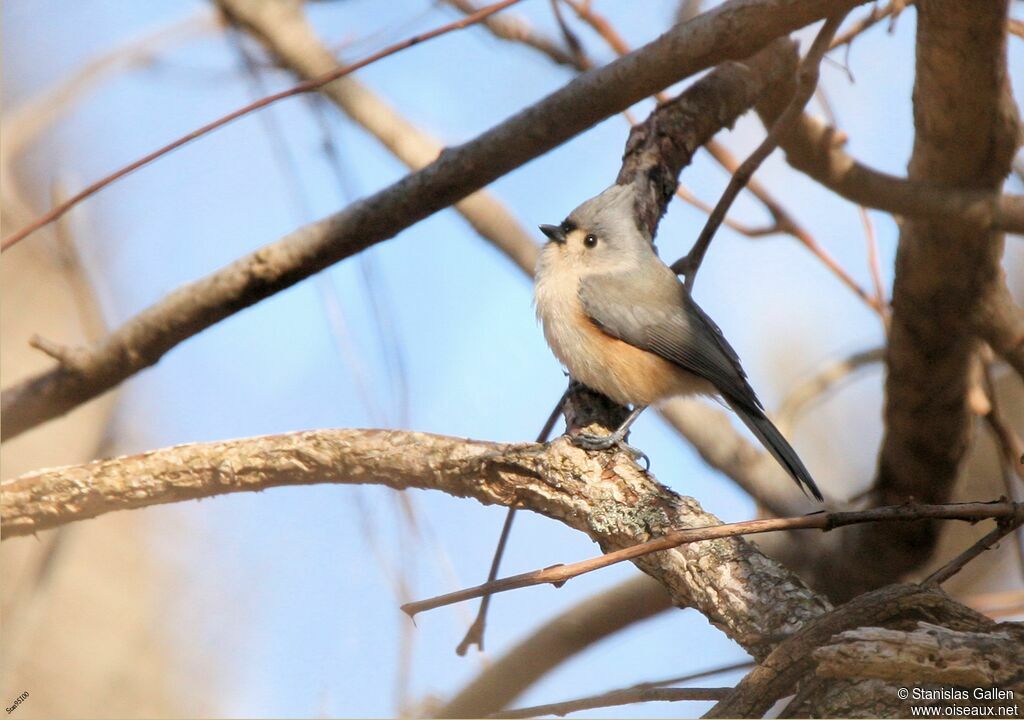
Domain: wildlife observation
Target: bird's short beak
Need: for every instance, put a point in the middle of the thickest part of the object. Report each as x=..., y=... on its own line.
x=554, y=233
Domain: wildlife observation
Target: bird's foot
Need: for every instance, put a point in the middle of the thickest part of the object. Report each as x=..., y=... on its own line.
x=589, y=441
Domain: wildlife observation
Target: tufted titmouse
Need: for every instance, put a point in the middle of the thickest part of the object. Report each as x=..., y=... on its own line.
x=623, y=324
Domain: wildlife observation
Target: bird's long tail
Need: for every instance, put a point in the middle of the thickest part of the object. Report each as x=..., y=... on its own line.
x=781, y=450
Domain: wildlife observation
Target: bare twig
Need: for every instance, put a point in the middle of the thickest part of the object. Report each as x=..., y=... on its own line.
x=615, y=699
x=783, y=220
x=999, y=321
x=874, y=262
x=24, y=122
x=1006, y=526
x=304, y=87
x=1011, y=448
x=816, y=149
x=559, y=574
x=1008, y=441
x=807, y=81
x=640, y=692
x=475, y=634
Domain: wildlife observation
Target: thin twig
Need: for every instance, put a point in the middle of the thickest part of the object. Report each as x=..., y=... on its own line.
x=299, y=89
x=475, y=633
x=557, y=575
x=623, y=696
x=874, y=262
x=571, y=39
x=876, y=14
x=783, y=220
x=615, y=699
x=516, y=29
x=1015, y=27
x=690, y=677
x=1004, y=527
x=807, y=81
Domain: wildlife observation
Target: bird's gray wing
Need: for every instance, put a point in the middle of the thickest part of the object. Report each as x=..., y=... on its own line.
x=660, y=317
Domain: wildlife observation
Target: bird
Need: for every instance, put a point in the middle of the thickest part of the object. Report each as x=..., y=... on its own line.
x=622, y=323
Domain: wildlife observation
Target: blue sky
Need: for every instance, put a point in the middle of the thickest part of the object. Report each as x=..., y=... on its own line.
x=281, y=591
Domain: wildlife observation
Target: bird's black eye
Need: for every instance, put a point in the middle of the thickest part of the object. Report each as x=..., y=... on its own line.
x=590, y=241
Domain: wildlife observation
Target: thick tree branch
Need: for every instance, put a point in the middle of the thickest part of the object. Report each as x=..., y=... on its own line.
x=602, y=494
x=793, y=660
x=816, y=149
x=929, y=654
x=659, y=148
x=947, y=271
x=732, y=30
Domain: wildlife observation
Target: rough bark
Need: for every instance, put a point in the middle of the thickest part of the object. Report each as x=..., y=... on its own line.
x=793, y=660
x=929, y=654
x=751, y=598
x=282, y=29
x=659, y=148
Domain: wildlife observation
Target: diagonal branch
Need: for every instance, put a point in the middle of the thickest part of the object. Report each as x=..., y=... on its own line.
x=517, y=30
x=1009, y=513
x=604, y=495
x=283, y=30
x=732, y=30
x=816, y=149
x=615, y=699
x=806, y=83
x=305, y=87
x=621, y=696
